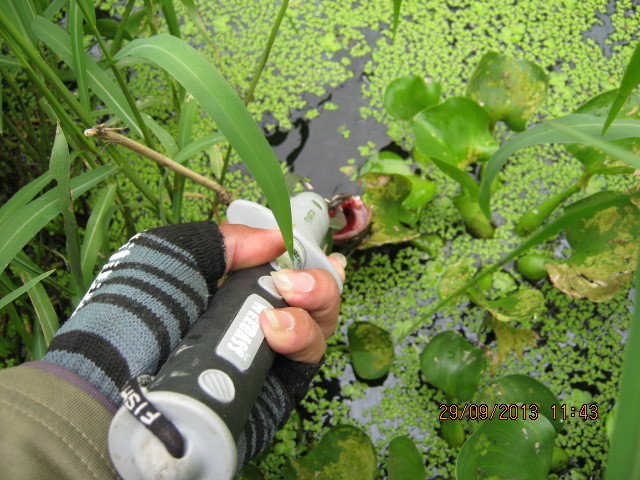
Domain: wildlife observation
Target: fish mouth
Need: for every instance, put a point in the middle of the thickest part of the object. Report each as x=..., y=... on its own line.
x=356, y=216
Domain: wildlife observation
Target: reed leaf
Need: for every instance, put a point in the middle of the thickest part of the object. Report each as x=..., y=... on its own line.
x=220, y=101
x=106, y=90
x=24, y=196
x=624, y=455
x=97, y=230
x=60, y=169
x=77, y=49
x=46, y=314
x=551, y=133
x=198, y=146
x=27, y=221
x=7, y=299
x=630, y=80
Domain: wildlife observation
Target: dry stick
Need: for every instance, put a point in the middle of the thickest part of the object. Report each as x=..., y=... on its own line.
x=109, y=135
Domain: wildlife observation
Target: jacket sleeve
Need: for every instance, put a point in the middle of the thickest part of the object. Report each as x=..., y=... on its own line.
x=51, y=428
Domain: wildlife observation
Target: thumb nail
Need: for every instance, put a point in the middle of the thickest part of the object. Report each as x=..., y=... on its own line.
x=280, y=320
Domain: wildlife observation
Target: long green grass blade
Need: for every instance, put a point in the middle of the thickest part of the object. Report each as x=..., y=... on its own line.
x=609, y=148
x=397, y=5
x=77, y=48
x=463, y=178
x=60, y=43
x=25, y=223
x=6, y=300
x=571, y=216
x=624, y=453
x=46, y=314
x=220, y=101
x=39, y=346
x=97, y=229
x=53, y=8
x=187, y=117
x=171, y=18
x=21, y=13
x=24, y=196
x=198, y=146
x=60, y=169
x=630, y=80
x=193, y=14
x=6, y=61
x=547, y=133
x=166, y=139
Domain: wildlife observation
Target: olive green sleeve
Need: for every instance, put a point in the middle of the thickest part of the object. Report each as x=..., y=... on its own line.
x=51, y=429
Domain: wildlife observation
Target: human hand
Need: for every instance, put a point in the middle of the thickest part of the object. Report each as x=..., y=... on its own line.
x=298, y=332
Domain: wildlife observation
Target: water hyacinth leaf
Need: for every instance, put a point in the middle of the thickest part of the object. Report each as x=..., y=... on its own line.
x=455, y=131
x=551, y=133
x=344, y=453
x=371, y=350
x=429, y=243
x=605, y=251
x=630, y=80
x=474, y=219
x=450, y=363
x=525, y=390
x=509, y=89
x=385, y=194
x=405, y=462
x=389, y=163
x=406, y=96
x=522, y=305
x=202, y=80
x=532, y=266
x=454, y=278
x=592, y=157
x=250, y=472
x=510, y=339
x=520, y=448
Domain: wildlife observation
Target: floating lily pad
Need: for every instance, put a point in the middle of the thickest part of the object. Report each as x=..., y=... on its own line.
x=525, y=392
x=385, y=194
x=405, y=462
x=508, y=88
x=605, y=251
x=344, y=453
x=509, y=449
x=406, y=96
x=456, y=132
x=450, y=363
x=594, y=159
x=454, y=278
x=371, y=350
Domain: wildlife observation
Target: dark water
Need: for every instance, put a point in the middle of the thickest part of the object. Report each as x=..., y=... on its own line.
x=315, y=149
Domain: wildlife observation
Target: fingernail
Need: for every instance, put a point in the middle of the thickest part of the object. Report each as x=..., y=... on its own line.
x=280, y=320
x=341, y=258
x=289, y=281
